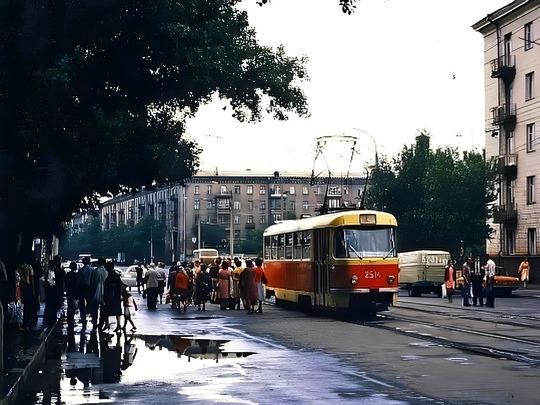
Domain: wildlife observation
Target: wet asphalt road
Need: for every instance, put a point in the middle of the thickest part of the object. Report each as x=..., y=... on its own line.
x=280, y=356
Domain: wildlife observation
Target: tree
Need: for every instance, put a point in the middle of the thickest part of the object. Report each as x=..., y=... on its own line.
x=441, y=200
x=93, y=97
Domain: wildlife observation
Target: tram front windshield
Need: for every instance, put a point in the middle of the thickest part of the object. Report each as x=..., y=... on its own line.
x=364, y=242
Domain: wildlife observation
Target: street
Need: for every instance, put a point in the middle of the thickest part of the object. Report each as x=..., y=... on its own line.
x=424, y=350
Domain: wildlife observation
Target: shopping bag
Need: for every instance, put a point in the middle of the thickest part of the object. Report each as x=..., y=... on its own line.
x=443, y=289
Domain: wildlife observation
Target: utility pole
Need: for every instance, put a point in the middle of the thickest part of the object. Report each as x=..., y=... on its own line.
x=231, y=235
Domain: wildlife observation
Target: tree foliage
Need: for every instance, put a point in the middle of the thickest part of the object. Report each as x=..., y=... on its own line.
x=441, y=200
x=93, y=97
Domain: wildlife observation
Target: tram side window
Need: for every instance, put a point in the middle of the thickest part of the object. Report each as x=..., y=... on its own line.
x=306, y=245
x=267, y=247
x=288, y=245
x=297, y=254
x=281, y=247
x=274, y=247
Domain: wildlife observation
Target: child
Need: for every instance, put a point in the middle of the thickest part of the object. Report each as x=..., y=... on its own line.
x=128, y=302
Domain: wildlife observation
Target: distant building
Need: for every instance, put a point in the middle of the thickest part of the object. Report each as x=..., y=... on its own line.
x=512, y=66
x=247, y=201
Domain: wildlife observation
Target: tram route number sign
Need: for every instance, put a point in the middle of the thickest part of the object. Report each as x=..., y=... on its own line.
x=372, y=274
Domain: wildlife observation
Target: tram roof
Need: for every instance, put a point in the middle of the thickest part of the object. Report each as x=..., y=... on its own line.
x=330, y=220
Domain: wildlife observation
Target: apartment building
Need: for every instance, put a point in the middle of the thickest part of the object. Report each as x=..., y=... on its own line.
x=512, y=68
x=232, y=204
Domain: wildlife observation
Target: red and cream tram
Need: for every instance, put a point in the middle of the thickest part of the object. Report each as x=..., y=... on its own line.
x=344, y=260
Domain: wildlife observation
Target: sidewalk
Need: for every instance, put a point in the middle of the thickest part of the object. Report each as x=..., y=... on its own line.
x=23, y=352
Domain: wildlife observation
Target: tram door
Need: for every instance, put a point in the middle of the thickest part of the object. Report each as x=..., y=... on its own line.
x=322, y=281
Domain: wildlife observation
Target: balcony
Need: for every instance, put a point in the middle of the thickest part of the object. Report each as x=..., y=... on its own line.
x=505, y=115
x=506, y=216
x=504, y=67
x=508, y=166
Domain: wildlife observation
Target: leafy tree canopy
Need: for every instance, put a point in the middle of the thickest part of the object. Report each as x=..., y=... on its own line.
x=441, y=200
x=93, y=97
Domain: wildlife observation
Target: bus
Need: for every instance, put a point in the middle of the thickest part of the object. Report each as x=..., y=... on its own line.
x=340, y=261
x=206, y=256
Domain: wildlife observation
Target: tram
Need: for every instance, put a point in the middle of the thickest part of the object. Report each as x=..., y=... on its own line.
x=339, y=261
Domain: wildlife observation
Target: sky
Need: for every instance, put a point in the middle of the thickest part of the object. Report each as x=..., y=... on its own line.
x=380, y=75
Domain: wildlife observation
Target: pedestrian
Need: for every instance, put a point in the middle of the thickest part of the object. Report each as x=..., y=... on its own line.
x=152, y=287
x=236, y=273
x=523, y=272
x=84, y=280
x=97, y=284
x=128, y=303
x=224, y=286
x=162, y=279
x=449, y=281
x=28, y=296
x=466, y=289
x=248, y=286
x=258, y=279
x=172, y=296
x=72, y=294
x=214, y=274
x=490, y=269
x=112, y=297
x=477, y=284
x=182, y=288
x=140, y=278
x=52, y=299
x=203, y=283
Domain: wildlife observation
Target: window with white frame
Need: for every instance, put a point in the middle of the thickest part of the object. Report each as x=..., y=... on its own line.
x=250, y=205
x=528, y=36
x=292, y=190
x=531, y=241
x=236, y=205
x=197, y=204
x=236, y=189
x=305, y=190
x=262, y=219
x=262, y=190
x=250, y=219
x=223, y=190
x=196, y=190
x=305, y=205
x=531, y=192
x=237, y=219
x=262, y=205
x=209, y=190
x=249, y=190
x=529, y=86
x=530, y=138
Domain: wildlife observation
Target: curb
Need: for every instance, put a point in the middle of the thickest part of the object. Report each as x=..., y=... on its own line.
x=37, y=359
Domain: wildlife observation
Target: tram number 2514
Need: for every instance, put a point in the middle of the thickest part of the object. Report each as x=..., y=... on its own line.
x=372, y=274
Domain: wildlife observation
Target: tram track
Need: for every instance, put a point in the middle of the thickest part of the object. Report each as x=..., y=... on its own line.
x=469, y=333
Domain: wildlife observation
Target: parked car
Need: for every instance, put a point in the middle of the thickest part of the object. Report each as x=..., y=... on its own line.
x=129, y=276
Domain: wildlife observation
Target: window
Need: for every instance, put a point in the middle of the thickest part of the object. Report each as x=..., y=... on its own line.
x=236, y=189
x=196, y=190
x=262, y=219
x=250, y=219
x=293, y=206
x=531, y=194
x=346, y=190
x=236, y=205
x=236, y=219
x=249, y=190
x=531, y=240
x=197, y=204
x=511, y=241
x=262, y=205
x=250, y=205
x=305, y=190
x=209, y=190
x=262, y=190
x=530, y=138
x=528, y=36
x=318, y=190
x=305, y=205
x=292, y=190
x=223, y=190
x=529, y=86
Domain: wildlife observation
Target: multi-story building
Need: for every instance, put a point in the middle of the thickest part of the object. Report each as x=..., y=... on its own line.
x=234, y=204
x=512, y=65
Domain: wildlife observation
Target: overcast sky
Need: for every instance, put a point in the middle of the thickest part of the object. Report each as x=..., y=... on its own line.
x=391, y=69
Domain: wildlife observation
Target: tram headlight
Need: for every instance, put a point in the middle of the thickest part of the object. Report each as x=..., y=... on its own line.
x=354, y=280
x=390, y=279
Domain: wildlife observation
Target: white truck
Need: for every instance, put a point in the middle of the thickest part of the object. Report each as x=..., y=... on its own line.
x=422, y=271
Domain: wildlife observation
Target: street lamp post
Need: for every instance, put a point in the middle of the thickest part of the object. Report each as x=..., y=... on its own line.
x=231, y=235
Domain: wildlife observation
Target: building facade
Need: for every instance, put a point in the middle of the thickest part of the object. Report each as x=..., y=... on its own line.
x=512, y=113
x=230, y=204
